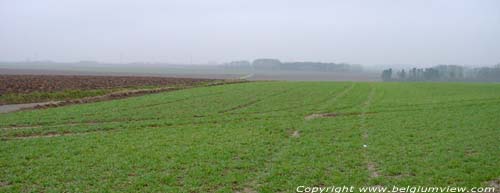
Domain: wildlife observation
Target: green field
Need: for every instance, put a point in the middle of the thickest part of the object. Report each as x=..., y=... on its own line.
x=259, y=137
x=19, y=98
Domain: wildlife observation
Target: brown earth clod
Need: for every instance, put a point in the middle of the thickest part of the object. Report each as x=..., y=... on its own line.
x=495, y=184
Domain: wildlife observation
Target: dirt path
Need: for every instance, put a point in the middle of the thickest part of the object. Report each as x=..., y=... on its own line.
x=17, y=107
x=111, y=96
x=328, y=102
x=336, y=97
x=248, y=76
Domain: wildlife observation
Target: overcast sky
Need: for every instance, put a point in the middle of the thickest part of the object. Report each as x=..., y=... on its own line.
x=369, y=32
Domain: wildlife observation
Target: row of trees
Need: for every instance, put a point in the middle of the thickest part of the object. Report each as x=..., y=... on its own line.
x=444, y=73
x=275, y=64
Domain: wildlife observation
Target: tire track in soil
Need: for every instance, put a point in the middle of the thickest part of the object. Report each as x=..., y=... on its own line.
x=326, y=99
x=197, y=96
x=176, y=100
x=242, y=106
x=121, y=95
x=67, y=133
x=90, y=123
x=252, y=185
x=337, y=96
x=230, y=109
x=253, y=102
x=370, y=165
x=238, y=120
x=201, y=95
x=87, y=123
x=109, y=97
x=145, y=124
x=50, y=135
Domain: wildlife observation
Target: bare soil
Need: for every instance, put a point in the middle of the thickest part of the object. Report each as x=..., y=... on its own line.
x=247, y=190
x=49, y=135
x=52, y=83
x=495, y=184
x=16, y=107
x=316, y=115
x=372, y=168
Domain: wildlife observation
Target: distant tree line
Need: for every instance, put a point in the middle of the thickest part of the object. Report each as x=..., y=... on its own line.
x=241, y=64
x=444, y=73
x=276, y=65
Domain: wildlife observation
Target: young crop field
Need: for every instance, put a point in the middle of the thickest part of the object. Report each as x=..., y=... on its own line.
x=259, y=137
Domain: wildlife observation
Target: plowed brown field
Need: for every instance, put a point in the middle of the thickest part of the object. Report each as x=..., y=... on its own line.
x=51, y=83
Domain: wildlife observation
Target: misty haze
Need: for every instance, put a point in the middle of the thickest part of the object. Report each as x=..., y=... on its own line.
x=250, y=96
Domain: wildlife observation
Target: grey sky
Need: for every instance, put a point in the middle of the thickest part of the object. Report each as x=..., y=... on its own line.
x=367, y=32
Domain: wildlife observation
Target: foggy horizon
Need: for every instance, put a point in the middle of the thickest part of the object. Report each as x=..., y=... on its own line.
x=370, y=33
